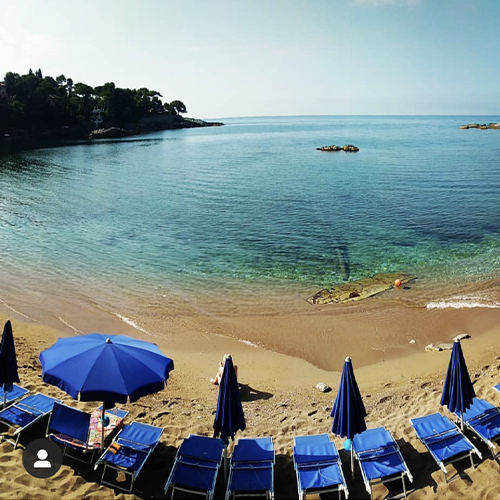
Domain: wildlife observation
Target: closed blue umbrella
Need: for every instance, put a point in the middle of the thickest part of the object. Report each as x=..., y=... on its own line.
x=458, y=391
x=8, y=361
x=108, y=368
x=229, y=416
x=348, y=411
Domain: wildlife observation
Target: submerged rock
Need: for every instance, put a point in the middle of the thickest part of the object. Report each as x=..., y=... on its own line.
x=357, y=290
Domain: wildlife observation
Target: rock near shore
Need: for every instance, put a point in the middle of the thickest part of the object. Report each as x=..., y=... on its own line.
x=109, y=133
x=348, y=147
x=481, y=127
x=151, y=123
x=360, y=289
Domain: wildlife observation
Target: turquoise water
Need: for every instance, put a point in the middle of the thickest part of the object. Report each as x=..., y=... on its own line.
x=253, y=204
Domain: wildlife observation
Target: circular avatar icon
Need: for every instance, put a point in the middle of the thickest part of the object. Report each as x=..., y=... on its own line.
x=42, y=458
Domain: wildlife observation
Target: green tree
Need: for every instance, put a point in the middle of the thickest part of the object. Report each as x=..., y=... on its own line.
x=178, y=107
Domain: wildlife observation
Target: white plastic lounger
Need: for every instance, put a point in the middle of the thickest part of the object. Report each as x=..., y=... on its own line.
x=483, y=419
x=444, y=440
x=317, y=466
x=380, y=458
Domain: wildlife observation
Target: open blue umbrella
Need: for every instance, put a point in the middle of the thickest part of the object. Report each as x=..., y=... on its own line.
x=108, y=368
x=8, y=362
x=458, y=391
x=229, y=416
x=348, y=411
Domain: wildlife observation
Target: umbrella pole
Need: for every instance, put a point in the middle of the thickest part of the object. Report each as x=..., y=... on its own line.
x=4, y=396
x=352, y=460
x=103, y=413
x=226, y=465
x=462, y=420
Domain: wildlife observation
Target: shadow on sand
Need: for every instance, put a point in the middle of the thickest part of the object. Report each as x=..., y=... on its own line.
x=248, y=393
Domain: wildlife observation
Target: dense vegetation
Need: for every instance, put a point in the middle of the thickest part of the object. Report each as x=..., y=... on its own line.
x=39, y=103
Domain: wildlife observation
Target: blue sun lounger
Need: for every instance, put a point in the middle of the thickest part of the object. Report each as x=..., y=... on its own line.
x=196, y=465
x=317, y=466
x=129, y=451
x=252, y=469
x=69, y=427
x=483, y=419
x=24, y=413
x=380, y=458
x=17, y=392
x=444, y=440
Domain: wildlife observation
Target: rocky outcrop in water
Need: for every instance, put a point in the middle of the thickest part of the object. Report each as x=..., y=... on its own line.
x=348, y=147
x=109, y=133
x=482, y=127
x=361, y=289
x=151, y=123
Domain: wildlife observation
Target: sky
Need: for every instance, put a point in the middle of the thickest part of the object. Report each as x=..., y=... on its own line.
x=230, y=58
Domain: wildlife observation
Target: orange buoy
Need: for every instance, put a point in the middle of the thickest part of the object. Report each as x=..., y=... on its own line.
x=397, y=283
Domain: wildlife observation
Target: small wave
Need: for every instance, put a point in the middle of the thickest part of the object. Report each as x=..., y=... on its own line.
x=247, y=342
x=75, y=330
x=132, y=323
x=463, y=302
x=16, y=311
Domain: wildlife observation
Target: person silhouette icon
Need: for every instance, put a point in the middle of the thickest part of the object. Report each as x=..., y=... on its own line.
x=42, y=458
x=42, y=462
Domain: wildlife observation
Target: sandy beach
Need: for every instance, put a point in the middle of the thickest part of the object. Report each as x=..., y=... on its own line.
x=398, y=380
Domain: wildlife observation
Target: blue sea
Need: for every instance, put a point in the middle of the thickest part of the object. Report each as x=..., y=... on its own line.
x=208, y=219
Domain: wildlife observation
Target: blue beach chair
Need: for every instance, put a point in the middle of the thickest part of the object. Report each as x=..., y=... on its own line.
x=317, y=466
x=24, y=413
x=252, y=469
x=483, y=419
x=71, y=428
x=129, y=451
x=444, y=440
x=379, y=458
x=17, y=392
x=196, y=465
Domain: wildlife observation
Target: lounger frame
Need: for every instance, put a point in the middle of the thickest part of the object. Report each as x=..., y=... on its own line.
x=20, y=392
x=77, y=445
x=485, y=416
x=460, y=456
x=393, y=448
x=213, y=465
x=23, y=407
x=303, y=492
x=254, y=464
x=125, y=443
